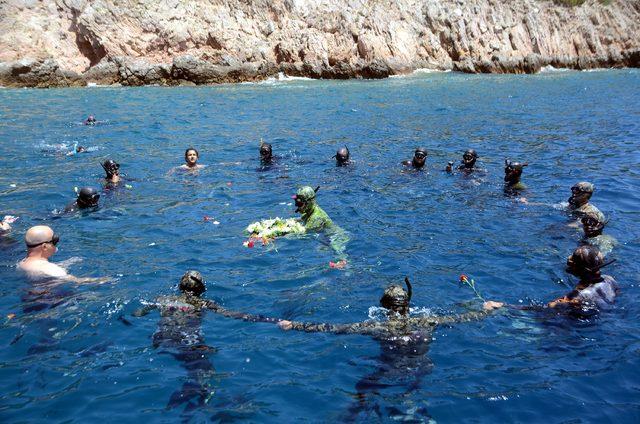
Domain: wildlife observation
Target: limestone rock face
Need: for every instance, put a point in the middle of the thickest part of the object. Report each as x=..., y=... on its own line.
x=136, y=42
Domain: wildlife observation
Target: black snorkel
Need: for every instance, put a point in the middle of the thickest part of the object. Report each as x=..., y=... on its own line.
x=409, y=290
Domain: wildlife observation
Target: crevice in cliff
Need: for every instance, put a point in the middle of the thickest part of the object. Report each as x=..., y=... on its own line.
x=88, y=45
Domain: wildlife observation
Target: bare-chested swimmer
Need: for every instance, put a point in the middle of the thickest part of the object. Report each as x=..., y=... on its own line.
x=41, y=244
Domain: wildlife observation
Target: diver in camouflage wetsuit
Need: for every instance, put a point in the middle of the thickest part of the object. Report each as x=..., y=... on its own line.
x=579, y=201
x=314, y=218
x=512, y=174
x=180, y=335
x=593, y=226
x=396, y=300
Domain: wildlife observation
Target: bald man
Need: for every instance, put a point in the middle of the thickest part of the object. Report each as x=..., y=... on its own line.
x=41, y=244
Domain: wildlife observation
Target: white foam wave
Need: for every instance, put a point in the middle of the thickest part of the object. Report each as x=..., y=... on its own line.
x=421, y=71
x=552, y=69
x=281, y=78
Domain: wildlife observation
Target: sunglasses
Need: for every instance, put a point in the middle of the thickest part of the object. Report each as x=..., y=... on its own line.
x=54, y=240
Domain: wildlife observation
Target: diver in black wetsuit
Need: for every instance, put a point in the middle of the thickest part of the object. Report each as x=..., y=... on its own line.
x=266, y=154
x=418, y=160
x=467, y=164
x=342, y=157
x=179, y=334
x=87, y=198
x=112, y=170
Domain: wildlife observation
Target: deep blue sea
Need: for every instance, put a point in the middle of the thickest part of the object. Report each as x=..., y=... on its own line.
x=74, y=353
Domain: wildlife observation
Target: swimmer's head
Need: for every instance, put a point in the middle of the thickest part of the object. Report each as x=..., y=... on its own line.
x=192, y=283
x=90, y=120
x=469, y=158
x=111, y=168
x=87, y=197
x=342, y=156
x=513, y=171
x=396, y=299
x=592, y=225
x=191, y=156
x=41, y=238
x=419, y=157
x=266, y=152
x=81, y=149
x=304, y=198
x=586, y=261
x=581, y=193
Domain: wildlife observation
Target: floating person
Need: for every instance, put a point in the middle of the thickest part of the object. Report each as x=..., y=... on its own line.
x=77, y=149
x=593, y=226
x=91, y=120
x=41, y=244
x=578, y=203
x=180, y=335
x=419, y=159
x=594, y=291
x=315, y=219
x=512, y=174
x=5, y=224
x=112, y=170
x=342, y=157
x=87, y=199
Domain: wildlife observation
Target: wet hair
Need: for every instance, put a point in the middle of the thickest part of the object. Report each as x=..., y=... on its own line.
x=587, y=259
x=186, y=152
x=192, y=283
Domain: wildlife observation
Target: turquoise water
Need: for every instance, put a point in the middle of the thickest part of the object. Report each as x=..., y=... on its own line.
x=75, y=353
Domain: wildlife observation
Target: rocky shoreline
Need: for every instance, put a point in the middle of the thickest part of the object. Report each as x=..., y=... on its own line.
x=59, y=43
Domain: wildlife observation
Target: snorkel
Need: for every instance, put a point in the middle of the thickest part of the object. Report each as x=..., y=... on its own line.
x=513, y=171
x=396, y=299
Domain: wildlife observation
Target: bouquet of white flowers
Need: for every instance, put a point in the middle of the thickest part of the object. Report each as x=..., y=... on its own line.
x=268, y=229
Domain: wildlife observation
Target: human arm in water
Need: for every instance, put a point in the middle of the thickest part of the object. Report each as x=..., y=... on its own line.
x=367, y=327
x=487, y=309
x=145, y=310
x=213, y=306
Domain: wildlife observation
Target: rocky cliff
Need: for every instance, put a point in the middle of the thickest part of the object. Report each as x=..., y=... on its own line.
x=134, y=42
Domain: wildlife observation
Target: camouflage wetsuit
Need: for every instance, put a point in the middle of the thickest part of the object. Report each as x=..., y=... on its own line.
x=315, y=219
x=396, y=326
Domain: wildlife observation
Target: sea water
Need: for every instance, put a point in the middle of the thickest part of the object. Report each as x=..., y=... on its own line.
x=74, y=353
